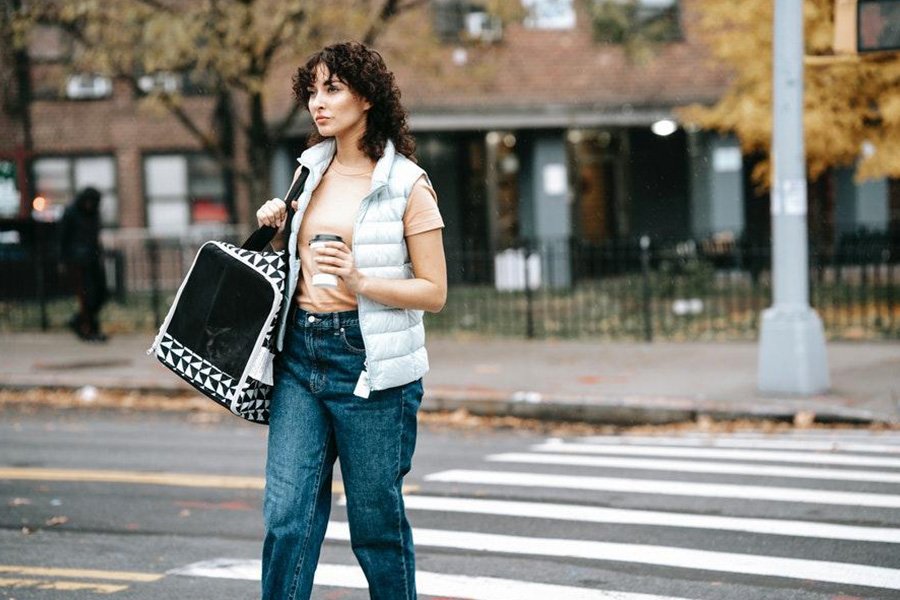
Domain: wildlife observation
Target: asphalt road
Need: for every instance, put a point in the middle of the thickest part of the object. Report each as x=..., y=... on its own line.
x=149, y=506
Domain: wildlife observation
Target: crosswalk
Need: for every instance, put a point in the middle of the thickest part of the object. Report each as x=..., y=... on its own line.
x=654, y=515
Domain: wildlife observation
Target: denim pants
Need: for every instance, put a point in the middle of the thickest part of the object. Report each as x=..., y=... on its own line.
x=315, y=418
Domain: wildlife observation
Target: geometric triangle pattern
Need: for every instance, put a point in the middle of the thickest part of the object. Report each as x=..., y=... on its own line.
x=252, y=403
x=270, y=264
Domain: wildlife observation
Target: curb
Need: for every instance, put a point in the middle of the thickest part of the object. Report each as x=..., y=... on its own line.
x=612, y=410
x=636, y=409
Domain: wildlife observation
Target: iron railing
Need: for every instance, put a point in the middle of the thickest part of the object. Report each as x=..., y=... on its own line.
x=661, y=289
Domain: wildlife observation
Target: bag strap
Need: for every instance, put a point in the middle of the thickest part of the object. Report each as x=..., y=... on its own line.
x=261, y=238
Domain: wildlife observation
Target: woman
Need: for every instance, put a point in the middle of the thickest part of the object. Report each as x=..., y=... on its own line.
x=348, y=379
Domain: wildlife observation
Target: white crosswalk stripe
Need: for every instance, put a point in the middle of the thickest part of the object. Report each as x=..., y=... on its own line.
x=813, y=445
x=674, y=488
x=596, y=514
x=888, y=437
x=618, y=462
x=818, y=456
x=685, y=558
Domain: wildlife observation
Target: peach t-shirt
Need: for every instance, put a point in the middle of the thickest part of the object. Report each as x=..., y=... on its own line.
x=332, y=209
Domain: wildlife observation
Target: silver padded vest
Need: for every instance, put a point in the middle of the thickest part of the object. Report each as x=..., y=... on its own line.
x=394, y=337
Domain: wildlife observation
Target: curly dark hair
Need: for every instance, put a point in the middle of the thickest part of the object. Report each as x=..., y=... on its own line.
x=364, y=71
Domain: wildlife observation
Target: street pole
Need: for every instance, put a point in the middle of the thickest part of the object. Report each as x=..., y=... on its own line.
x=792, y=356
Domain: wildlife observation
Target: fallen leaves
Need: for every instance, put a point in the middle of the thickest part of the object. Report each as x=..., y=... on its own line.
x=186, y=402
x=463, y=419
x=804, y=419
x=53, y=521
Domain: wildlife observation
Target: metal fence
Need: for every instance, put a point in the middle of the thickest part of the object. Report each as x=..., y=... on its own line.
x=672, y=290
x=661, y=289
x=143, y=272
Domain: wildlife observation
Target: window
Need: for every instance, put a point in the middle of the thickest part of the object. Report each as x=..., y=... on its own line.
x=58, y=180
x=9, y=189
x=183, y=191
x=618, y=21
x=458, y=20
x=549, y=14
x=49, y=43
x=662, y=14
x=88, y=87
x=162, y=82
x=52, y=49
x=184, y=83
x=449, y=19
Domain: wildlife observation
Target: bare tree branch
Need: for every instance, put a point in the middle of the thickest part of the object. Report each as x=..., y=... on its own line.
x=388, y=11
x=209, y=144
x=156, y=5
x=411, y=5
x=275, y=41
x=240, y=72
x=168, y=101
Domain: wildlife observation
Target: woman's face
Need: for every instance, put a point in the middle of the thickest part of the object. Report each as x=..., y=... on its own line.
x=335, y=108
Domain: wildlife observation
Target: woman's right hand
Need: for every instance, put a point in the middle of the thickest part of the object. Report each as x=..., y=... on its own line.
x=272, y=214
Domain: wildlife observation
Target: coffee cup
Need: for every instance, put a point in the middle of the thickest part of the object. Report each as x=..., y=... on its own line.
x=319, y=279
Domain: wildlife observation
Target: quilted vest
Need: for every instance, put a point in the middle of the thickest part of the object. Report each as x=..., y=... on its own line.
x=394, y=338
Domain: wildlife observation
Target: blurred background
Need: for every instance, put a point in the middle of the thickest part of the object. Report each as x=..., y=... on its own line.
x=602, y=165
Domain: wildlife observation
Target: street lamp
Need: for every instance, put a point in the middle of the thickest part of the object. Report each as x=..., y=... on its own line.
x=664, y=127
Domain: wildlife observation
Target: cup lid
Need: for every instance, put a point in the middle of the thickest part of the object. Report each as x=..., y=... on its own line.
x=326, y=237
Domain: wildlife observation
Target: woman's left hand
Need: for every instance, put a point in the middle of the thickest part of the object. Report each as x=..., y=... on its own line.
x=336, y=258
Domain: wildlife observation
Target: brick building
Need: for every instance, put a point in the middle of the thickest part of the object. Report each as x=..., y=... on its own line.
x=560, y=140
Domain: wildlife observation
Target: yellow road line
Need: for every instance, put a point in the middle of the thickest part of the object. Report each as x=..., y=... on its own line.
x=176, y=479
x=82, y=573
x=140, y=477
x=100, y=588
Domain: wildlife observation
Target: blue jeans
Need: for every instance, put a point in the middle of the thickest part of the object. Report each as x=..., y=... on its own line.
x=314, y=418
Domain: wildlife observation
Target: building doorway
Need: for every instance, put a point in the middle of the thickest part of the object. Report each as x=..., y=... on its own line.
x=597, y=176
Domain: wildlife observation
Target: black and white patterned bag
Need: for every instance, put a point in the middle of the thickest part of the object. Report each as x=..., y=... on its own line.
x=219, y=335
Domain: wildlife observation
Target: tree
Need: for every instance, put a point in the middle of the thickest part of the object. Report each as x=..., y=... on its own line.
x=15, y=94
x=851, y=105
x=230, y=48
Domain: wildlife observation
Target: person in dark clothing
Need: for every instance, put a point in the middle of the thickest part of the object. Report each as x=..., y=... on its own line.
x=80, y=251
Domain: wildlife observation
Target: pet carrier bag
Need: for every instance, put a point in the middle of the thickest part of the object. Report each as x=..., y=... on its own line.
x=219, y=334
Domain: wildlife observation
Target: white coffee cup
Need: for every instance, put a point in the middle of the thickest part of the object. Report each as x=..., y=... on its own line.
x=319, y=279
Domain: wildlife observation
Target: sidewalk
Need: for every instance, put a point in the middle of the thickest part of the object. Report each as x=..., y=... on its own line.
x=609, y=382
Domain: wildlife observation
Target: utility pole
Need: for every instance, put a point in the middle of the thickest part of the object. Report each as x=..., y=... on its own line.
x=792, y=356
